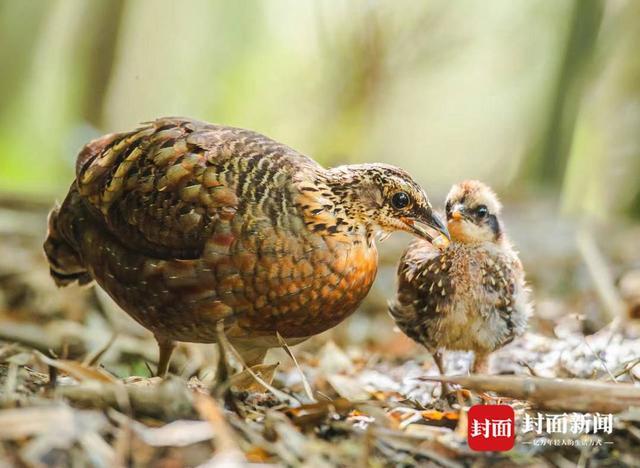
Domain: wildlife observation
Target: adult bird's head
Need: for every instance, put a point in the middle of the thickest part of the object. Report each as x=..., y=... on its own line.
x=385, y=199
x=473, y=213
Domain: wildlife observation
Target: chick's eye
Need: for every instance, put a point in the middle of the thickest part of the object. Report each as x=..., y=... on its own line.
x=482, y=211
x=400, y=200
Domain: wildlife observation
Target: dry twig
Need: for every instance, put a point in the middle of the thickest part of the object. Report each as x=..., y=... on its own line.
x=554, y=394
x=305, y=382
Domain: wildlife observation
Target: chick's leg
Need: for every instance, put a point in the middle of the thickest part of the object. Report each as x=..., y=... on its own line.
x=438, y=357
x=480, y=364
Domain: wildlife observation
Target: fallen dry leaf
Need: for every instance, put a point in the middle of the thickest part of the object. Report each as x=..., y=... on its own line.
x=78, y=370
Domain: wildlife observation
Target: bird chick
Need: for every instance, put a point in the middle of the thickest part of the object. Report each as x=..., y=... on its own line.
x=471, y=295
x=187, y=225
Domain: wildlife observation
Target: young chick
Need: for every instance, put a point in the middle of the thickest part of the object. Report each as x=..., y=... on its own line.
x=472, y=294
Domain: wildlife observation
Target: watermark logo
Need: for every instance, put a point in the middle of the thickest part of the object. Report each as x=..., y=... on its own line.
x=573, y=423
x=491, y=428
x=551, y=427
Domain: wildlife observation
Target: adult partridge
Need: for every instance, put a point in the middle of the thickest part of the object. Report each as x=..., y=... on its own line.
x=186, y=224
x=470, y=295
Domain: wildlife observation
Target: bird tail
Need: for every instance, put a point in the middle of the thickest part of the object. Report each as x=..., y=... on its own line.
x=65, y=263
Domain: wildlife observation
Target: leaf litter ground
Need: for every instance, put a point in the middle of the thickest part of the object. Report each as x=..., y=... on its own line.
x=75, y=385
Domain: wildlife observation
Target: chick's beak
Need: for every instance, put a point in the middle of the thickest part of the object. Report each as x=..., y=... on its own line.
x=458, y=213
x=431, y=220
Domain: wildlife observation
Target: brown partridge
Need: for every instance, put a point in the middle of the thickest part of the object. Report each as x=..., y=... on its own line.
x=471, y=295
x=186, y=224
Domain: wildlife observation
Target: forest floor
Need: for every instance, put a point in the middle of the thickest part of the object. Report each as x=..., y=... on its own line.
x=76, y=385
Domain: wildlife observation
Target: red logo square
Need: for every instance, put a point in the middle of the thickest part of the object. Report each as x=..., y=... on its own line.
x=491, y=428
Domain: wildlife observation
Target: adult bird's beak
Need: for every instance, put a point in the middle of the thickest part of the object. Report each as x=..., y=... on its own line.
x=432, y=220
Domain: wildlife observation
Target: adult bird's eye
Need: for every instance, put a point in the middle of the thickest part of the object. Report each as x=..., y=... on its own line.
x=482, y=211
x=400, y=200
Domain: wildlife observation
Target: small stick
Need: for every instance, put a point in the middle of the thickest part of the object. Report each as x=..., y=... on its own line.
x=305, y=382
x=529, y=368
x=11, y=382
x=604, y=365
x=602, y=279
x=93, y=358
x=53, y=377
x=628, y=367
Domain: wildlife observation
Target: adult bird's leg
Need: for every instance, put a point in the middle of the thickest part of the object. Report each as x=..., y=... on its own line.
x=166, y=348
x=251, y=356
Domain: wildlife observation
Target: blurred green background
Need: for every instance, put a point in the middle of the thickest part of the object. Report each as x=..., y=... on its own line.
x=538, y=98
